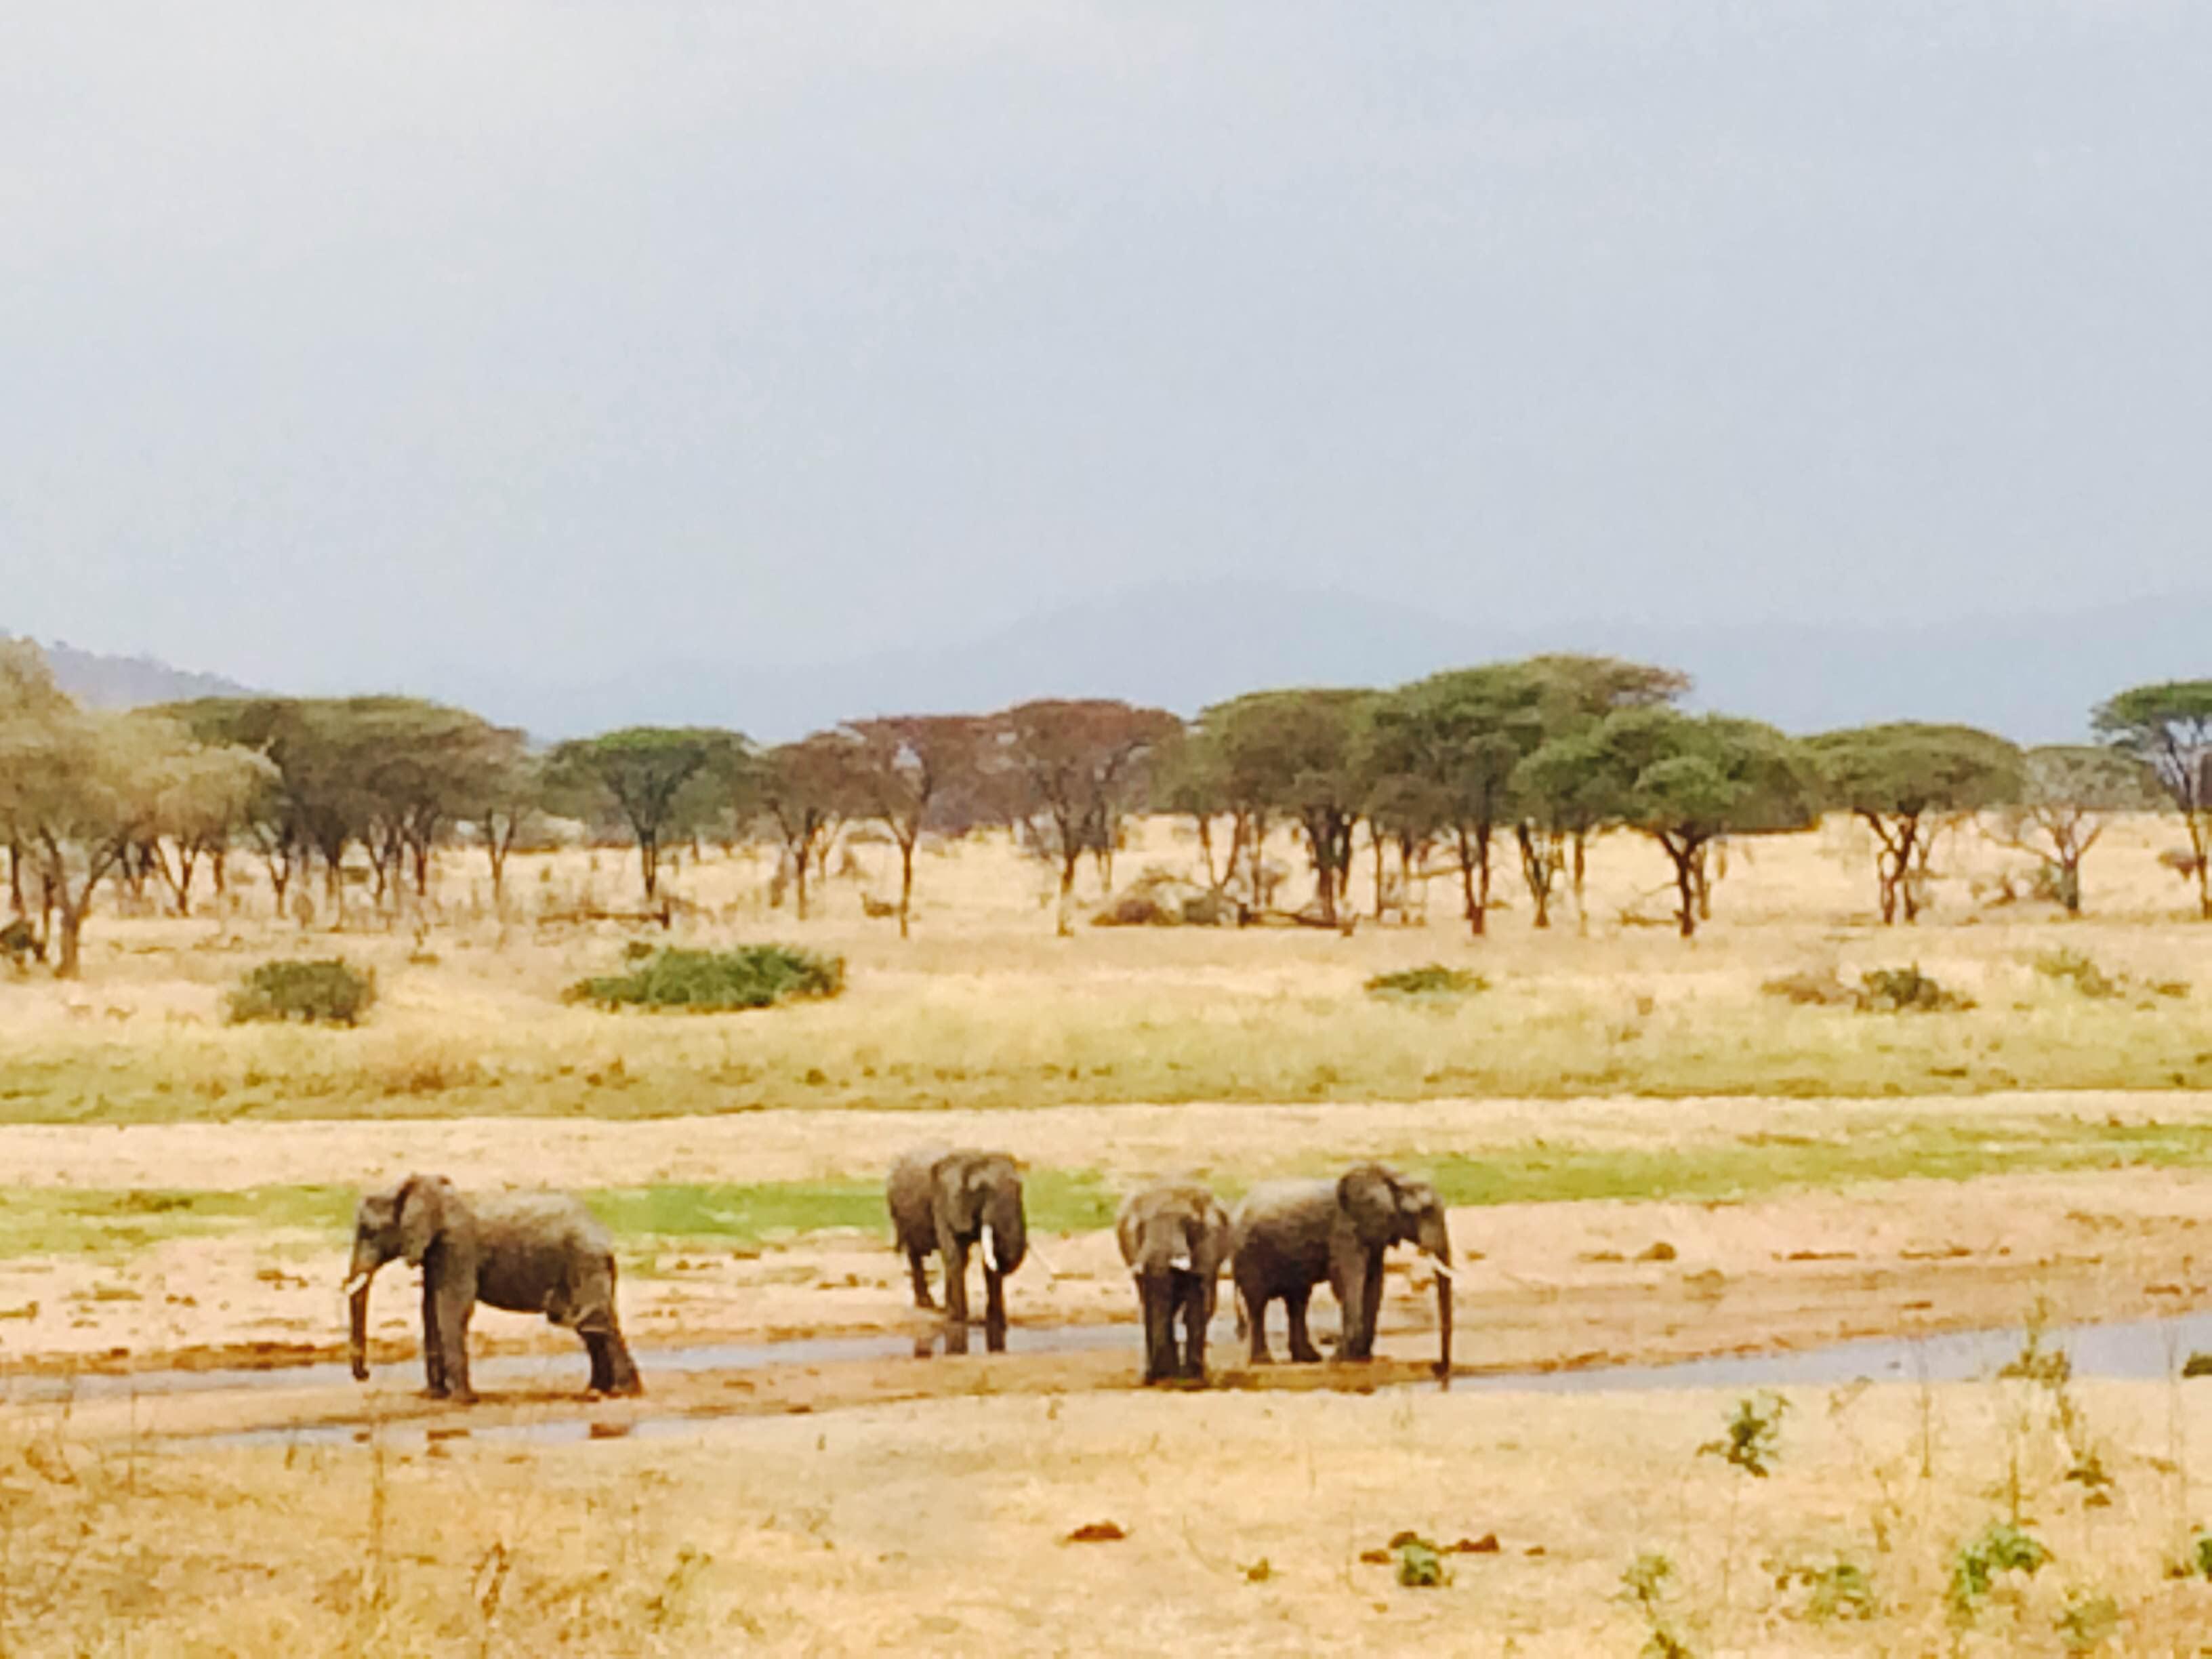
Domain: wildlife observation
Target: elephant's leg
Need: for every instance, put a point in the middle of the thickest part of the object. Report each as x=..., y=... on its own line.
x=1252, y=1304
x=595, y=1345
x=433, y=1347
x=456, y=1302
x=915, y=1263
x=956, y=1300
x=1194, y=1300
x=1294, y=1304
x=1159, y=1327
x=995, y=1309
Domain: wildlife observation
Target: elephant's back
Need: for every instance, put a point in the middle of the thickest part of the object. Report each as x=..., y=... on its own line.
x=532, y=1221
x=906, y=1192
x=1288, y=1219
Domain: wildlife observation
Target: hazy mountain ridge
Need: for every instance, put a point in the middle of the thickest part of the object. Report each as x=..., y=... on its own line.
x=2032, y=677
x=101, y=681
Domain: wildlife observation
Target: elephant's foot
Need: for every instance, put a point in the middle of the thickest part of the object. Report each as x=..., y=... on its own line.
x=1306, y=1354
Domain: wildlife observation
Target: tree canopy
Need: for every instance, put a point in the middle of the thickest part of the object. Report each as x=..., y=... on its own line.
x=2067, y=796
x=1901, y=779
x=646, y=773
x=1297, y=754
x=2168, y=727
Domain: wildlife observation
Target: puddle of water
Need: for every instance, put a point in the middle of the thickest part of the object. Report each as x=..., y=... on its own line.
x=2144, y=1350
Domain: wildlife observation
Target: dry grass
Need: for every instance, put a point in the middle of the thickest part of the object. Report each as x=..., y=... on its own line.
x=941, y=1526
x=985, y=1009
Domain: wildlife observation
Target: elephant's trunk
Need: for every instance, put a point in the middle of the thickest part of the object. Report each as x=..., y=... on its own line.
x=363, y=1269
x=1444, y=1327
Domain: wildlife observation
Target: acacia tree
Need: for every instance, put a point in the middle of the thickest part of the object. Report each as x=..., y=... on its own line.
x=646, y=773
x=78, y=790
x=2067, y=795
x=903, y=765
x=1557, y=815
x=1299, y=754
x=808, y=789
x=503, y=800
x=1685, y=780
x=1901, y=779
x=2169, y=728
x=1453, y=741
x=1190, y=779
x=208, y=799
x=1078, y=762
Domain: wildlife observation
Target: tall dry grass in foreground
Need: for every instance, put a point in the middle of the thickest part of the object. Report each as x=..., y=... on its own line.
x=2028, y=1515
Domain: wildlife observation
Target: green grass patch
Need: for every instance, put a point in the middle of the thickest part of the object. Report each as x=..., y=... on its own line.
x=1431, y=979
x=717, y=981
x=38, y=1221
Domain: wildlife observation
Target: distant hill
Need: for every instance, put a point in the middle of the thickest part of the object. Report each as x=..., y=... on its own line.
x=100, y=681
x=2032, y=677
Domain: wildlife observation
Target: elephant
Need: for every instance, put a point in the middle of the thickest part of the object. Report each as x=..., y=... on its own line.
x=947, y=1201
x=1174, y=1235
x=526, y=1252
x=1288, y=1235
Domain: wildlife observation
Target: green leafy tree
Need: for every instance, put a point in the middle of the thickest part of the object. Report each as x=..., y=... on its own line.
x=1079, y=764
x=657, y=778
x=906, y=765
x=1299, y=755
x=1190, y=779
x=1556, y=816
x=1683, y=781
x=79, y=790
x=503, y=800
x=809, y=789
x=1902, y=781
x=2169, y=728
x=1454, y=741
x=2067, y=795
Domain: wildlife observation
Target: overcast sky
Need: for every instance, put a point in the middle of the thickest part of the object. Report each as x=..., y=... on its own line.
x=396, y=342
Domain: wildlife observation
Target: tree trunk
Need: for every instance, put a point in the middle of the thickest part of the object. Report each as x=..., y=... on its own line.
x=1374, y=843
x=1069, y=857
x=66, y=962
x=648, y=859
x=15, y=879
x=905, y=885
x=1206, y=846
x=1537, y=870
x=801, y=853
x=1478, y=909
x=2200, y=840
x=1684, y=856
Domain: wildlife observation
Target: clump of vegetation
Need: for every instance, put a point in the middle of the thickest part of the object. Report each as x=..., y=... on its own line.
x=1811, y=990
x=1841, y=1589
x=2003, y=1546
x=1645, y=1580
x=1431, y=979
x=1907, y=990
x=2089, y=1623
x=2199, y=1563
x=1754, y=1436
x=715, y=982
x=2079, y=969
x=1420, y=1562
x=331, y=993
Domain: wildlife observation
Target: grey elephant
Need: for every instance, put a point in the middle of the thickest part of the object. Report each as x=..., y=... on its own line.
x=540, y=1253
x=1287, y=1237
x=946, y=1201
x=1174, y=1235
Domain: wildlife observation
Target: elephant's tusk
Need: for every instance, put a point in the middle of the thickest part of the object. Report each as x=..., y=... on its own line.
x=990, y=1249
x=1441, y=1271
x=1179, y=1263
x=1050, y=1272
x=355, y=1284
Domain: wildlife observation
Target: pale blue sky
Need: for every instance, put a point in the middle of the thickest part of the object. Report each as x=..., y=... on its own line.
x=456, y=345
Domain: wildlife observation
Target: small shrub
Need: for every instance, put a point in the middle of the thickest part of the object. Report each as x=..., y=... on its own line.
x=2200, y=1556
x=1430, y=980
x=1842, y=1589
x=1809, y=990
x=333, y=993
x=714, y=981
x=2000, y=1547
x=2089, y=1623
x=1753, y=1435
x=1421, y=1564
x=2078, y=969
x=1645, y=1581
x=1906, y=990
x=2051, y=1367
x=1137, y=910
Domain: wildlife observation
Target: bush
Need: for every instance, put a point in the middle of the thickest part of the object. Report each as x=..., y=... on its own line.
x=1906, y=990
x=1430, y=980
x=1820, y=990
x=715, y=982
x=2079, y=971
x=1137, y=910
x=333, y=993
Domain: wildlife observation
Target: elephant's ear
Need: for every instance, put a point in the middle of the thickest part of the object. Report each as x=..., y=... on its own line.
x=1417, y=1201
x=426, y=1204
x=1369, y=1198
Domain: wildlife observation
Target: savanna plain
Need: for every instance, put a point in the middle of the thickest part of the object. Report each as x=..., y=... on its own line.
x=1654, y=1150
